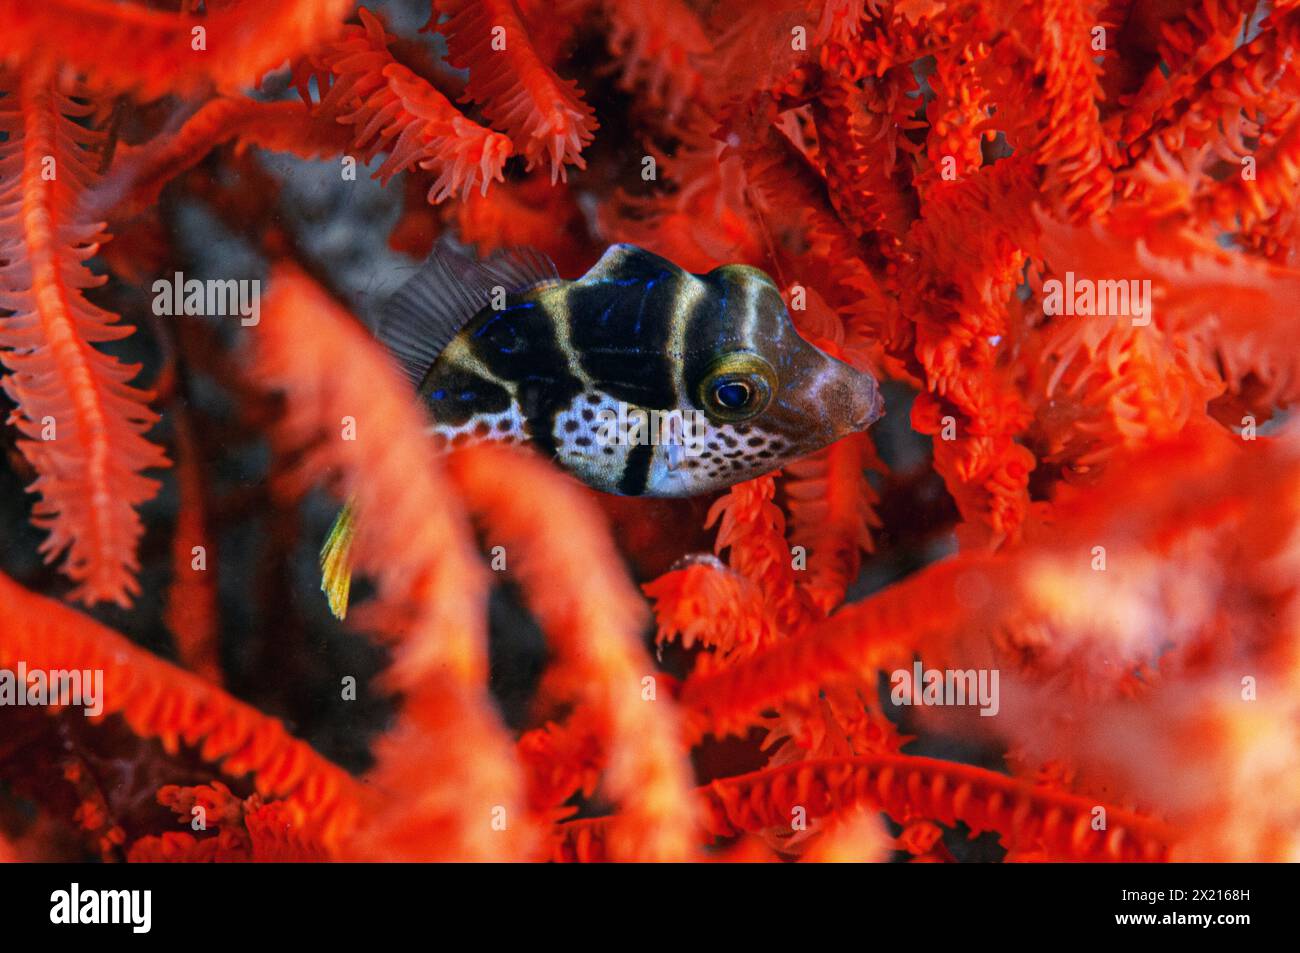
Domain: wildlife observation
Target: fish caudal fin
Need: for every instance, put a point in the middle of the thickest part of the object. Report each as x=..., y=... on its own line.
x=336, y=562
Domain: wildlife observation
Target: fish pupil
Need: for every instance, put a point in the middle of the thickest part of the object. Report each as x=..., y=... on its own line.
x=733, y=394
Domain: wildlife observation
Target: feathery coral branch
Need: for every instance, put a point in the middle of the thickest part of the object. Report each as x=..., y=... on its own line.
x=881, y=631
x=906, y=787
x=83, y=422
x=544, y=115
x=140, y=172
x=446, y=768
x=191, y=613
x=246, y=830
x=753, y=528
x=1077, y=154
x=127, y=46
x=566, y=563
x=392, y=109
x=713, y=605
x=659, y=45
x=832, y=515
x=986, y=471
x=159, y=700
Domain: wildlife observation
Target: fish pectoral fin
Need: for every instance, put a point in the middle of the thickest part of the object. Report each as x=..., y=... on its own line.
x=336, y=562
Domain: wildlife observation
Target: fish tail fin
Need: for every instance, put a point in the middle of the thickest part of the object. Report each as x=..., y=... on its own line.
x=336, y=562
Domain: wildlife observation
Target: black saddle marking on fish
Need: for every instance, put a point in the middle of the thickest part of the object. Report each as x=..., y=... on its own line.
x=627, y=265
x=457, y=394
x=708, y=323
x=636, y=470
x=622, y=339
x=524, y=344
x=633, y=354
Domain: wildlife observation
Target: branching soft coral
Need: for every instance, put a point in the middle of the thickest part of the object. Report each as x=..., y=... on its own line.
x=246, y=830
x=449, y=750
x=1131, y=617
x=545, y=116
x=660, y=46
x=140, y=173
x=127, y=46
x=159, y=700
x=592, y=616
x=82, y=420
x=392, y=109
x=154, y=52
x=1059, y=826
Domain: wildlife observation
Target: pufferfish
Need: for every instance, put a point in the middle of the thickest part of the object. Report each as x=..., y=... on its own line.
x=504, y=349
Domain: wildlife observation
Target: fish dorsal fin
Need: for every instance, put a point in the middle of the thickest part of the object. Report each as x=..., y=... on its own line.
x=628, y=264
x=442, y=297
x=522, y=268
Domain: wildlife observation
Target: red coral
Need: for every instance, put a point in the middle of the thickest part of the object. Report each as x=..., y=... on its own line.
x=158, y=700
x=82, y=419
x=544, y=115
x=392, y=109
x=153, y=52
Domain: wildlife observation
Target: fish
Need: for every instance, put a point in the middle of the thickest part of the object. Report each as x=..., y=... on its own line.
x=639, y=378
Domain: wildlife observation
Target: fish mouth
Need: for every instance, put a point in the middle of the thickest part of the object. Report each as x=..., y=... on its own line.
x=851, y=397
x=874, y=413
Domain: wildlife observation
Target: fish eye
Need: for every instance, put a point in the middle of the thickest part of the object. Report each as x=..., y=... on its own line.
x=738, y=386
x=734, y=395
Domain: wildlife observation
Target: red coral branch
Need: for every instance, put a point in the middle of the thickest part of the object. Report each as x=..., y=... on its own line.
x=159, y=700
x=82, y=419
x=906, y=787
x=969, y=405
x=752, y=527
x=880, y=632
x=713, y=606
x=391, y=109
x=127, y=46
x=246, y=830
x=1077, y=153
x=139, y=173
x=832, y=514
x=566, y=565
x=191, y=613
x=544, y=115
x=447, y=784
x=661, y=47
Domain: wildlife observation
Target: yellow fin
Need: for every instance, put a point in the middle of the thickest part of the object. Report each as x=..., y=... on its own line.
x=336, y=563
